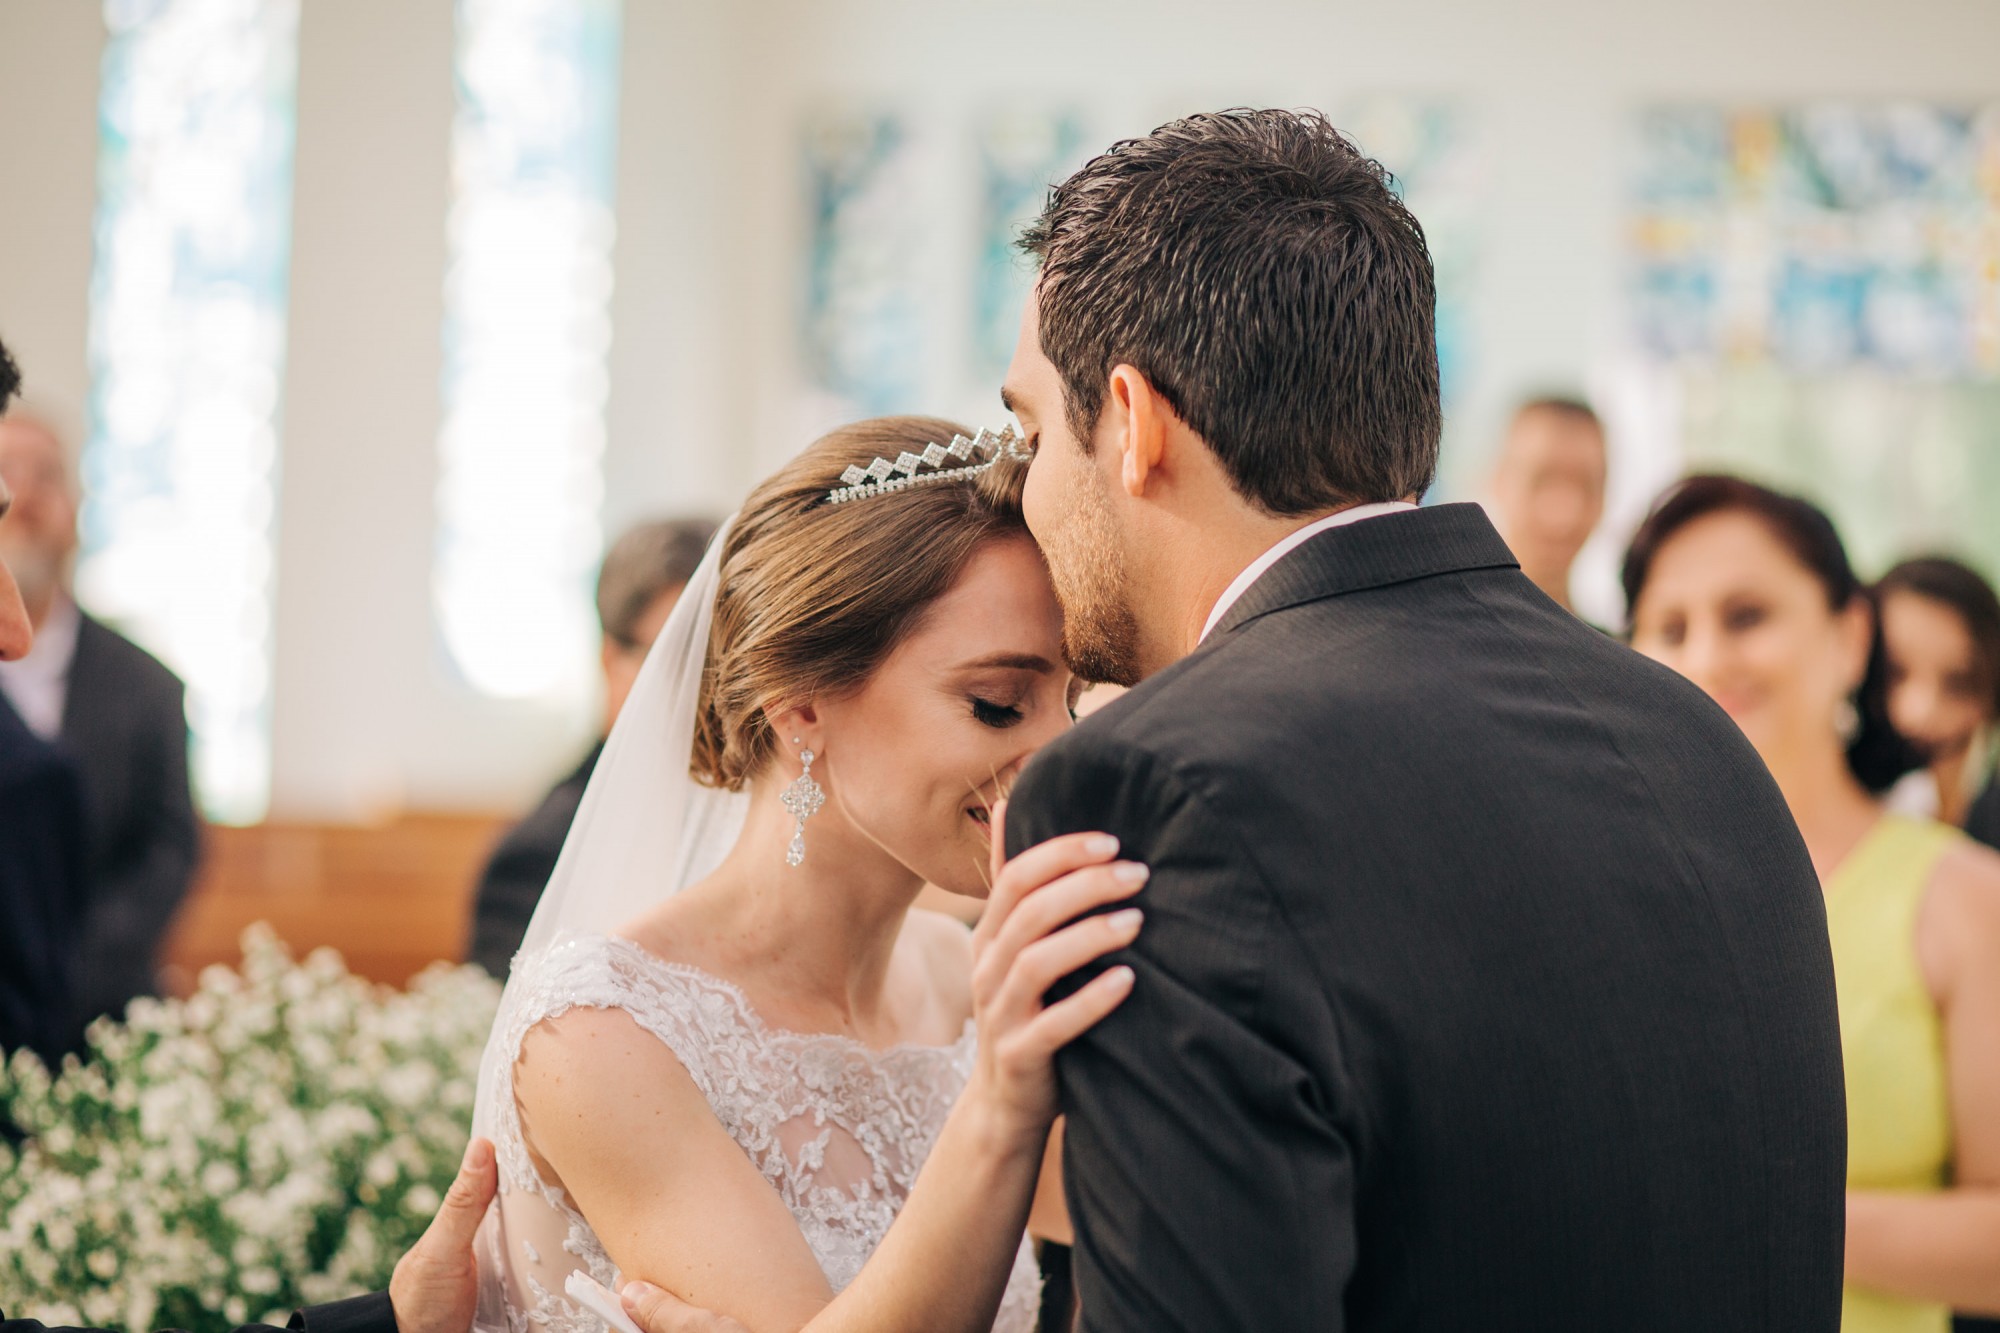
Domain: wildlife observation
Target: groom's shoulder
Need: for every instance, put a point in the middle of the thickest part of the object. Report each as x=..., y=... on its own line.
x=1162, y=732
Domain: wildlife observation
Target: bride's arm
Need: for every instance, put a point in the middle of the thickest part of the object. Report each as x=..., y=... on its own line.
x=615, y=1119
x=944, y=1263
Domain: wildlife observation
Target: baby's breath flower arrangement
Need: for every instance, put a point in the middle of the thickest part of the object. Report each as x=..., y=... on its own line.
x=277, y=1139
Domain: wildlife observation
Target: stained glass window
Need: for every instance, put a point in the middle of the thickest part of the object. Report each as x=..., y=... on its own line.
x=527, y=332
x=864, y=324
x=187, y=346
x=1022, y=152
x=1816, y=290
x=1821, y=237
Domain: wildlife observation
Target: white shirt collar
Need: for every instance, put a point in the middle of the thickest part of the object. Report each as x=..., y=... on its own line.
x=38, y=684
x=1262, y=564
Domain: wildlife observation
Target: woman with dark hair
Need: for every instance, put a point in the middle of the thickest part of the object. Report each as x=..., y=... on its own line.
x=1749, y=593
x=1941, y=623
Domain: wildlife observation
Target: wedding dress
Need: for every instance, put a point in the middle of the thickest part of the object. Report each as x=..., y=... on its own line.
x=838, y=1129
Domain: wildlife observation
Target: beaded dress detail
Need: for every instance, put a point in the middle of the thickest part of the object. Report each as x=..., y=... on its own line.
x=838, y=1129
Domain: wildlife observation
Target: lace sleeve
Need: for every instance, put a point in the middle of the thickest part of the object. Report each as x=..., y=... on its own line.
x=534, y=1234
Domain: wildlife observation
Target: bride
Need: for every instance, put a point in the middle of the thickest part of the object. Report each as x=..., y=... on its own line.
x=729, y=1044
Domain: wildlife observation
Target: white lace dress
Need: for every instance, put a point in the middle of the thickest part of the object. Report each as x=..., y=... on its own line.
x=838, y=1129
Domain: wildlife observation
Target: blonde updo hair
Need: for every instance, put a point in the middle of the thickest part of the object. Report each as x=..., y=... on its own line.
x=814, y=596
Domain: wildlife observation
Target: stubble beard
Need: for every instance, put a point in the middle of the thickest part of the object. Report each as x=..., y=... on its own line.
x=1087, y=566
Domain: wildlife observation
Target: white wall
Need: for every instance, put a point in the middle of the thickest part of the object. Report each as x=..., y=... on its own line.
x=704, y=388
x=48, y=189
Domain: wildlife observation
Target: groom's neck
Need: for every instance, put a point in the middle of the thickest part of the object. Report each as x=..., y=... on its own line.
x=1195, y=557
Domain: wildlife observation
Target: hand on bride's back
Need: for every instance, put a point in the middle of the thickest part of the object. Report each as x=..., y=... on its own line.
x=1030, y=938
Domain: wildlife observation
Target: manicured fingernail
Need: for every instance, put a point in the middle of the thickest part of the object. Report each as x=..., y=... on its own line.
x=1131, y=873
x=471, y=1155
x=1101, y=844
x=1120, y=976
x=634, y=1292
x=1128, y=919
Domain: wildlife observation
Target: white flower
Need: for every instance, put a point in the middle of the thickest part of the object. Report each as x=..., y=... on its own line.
x=191, y=1162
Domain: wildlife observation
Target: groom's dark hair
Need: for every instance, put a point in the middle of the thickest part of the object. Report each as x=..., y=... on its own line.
x=1264, y=277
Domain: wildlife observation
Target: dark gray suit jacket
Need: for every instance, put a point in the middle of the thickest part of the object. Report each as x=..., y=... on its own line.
x=41, y=891
x=1484, y=981
x=125, y=725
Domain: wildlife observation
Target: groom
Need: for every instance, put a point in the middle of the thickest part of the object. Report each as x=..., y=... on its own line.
x=1485, y=980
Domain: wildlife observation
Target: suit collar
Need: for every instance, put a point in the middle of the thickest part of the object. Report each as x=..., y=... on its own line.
x=1441, y=539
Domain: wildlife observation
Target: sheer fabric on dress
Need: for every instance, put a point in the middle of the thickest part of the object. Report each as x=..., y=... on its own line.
x=839, y=1130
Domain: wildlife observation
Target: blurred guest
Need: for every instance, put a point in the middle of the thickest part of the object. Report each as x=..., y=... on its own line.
x=641, y=579
x=118, y=713
x=1547, y=491
x=41, y=889
x=1749, y=593
x=41, y=846
x=1941, y=623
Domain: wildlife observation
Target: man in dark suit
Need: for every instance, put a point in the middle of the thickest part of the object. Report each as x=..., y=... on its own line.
x=120, y=716
x=41, y=846
x=41, y=892
x=1484, y=980
x=637, y=585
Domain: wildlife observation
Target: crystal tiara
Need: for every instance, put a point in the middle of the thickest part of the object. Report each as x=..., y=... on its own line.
x=883, y=476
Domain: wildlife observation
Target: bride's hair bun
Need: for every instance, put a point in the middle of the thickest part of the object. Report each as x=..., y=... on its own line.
x=814, y=596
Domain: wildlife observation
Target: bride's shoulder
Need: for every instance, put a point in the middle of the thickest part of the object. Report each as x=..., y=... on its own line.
x=592, y=1081
x=942, y=947
x=591, y=1004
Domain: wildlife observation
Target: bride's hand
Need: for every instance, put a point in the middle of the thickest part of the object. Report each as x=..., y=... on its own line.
x=1023, y=946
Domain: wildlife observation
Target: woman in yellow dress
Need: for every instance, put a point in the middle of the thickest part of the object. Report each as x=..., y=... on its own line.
x=1749, y=594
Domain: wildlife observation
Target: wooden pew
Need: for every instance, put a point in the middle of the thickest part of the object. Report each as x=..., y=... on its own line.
x=391, y=897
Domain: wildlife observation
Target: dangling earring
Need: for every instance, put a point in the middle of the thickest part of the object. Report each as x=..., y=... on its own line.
x=802, y=800
x=1846, y=721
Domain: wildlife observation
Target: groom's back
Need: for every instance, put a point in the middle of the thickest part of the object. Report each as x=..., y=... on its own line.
x=1484, y=982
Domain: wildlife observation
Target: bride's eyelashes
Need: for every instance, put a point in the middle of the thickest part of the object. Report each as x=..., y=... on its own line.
x=997, y=716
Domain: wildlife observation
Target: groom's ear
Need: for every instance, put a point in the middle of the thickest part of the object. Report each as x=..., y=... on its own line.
x=1134, y=426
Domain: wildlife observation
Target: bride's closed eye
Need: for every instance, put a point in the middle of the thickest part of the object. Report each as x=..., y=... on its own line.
x=997, y=716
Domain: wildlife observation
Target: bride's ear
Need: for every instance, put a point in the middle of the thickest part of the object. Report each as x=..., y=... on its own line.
x=797, y=728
